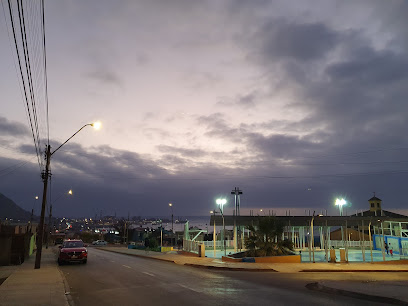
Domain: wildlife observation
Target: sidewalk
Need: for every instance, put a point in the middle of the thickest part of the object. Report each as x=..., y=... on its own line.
x=29, y=286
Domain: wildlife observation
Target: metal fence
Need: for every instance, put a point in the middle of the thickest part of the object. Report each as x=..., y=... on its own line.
x=350, y=244
x=219, y=244
x=190, y=246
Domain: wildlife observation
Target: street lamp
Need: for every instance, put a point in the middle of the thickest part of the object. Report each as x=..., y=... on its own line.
x=222, y=202
x=45, y=176
x=171, y=207
x=50, y=215
x=340, y=203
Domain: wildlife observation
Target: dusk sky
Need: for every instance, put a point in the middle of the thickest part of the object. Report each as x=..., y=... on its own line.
x=294, y=102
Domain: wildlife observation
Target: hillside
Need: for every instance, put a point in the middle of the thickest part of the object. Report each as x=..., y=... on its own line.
x=10, y=210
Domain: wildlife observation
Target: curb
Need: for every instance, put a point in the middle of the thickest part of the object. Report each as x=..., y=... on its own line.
x=68, y=296
x=361, y=296
x=350, y=270
x=228, y=268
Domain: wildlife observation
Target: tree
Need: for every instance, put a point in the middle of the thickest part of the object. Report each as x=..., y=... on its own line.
x=266, y=239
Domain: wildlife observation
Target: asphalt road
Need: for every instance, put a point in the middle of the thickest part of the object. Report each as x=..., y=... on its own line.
x=116, y=279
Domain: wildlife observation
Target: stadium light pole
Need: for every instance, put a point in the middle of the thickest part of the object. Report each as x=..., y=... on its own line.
x=222, y=202
x=45, y=176
x=214, y=233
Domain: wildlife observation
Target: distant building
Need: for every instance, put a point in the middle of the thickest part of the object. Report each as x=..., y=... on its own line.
x=375, y=210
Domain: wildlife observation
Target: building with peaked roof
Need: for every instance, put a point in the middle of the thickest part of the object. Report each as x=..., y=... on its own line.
x=375, y=210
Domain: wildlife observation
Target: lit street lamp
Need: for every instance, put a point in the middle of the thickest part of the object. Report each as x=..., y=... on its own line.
x=222, y=202
x=171, y=207
x=50, y=215
x=45, y=176
x=340, y=203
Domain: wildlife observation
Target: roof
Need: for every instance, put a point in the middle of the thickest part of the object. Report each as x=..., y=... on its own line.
x=375, y=199
x=386, y=213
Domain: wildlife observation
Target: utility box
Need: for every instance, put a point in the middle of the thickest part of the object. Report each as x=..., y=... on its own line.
x=332, y=255
x=343, y=255
x=201, y=250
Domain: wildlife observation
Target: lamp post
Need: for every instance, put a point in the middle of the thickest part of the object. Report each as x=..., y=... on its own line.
x=171, y=207
x=340, y=203
x=222, y=202
x=214, y=234
x=45, y=176
x=50, y=215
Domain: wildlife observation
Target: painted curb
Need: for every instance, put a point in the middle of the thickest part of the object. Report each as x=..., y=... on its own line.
x=356, y=295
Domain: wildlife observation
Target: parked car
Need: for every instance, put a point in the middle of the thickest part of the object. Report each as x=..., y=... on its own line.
x=72, y=251
x=99, y=242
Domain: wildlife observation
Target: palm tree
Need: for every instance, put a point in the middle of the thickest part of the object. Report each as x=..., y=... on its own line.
x=266, y=239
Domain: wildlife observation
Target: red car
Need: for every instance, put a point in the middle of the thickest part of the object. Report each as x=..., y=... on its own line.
x=72, y=251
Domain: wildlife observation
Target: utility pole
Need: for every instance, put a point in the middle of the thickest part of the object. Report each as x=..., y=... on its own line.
x=45, y=176
x=49, y=227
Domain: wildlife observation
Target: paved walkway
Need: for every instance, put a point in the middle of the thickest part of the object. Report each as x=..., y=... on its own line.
x=29, y=286
x=45, y=286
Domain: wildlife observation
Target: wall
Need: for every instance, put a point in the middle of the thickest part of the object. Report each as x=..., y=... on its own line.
x=396, y=243
x=5, y=247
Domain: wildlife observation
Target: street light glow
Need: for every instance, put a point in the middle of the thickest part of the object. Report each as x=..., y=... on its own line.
x=97, y=125
x=70, y=191
x=170, y=204
x=221, y=201
x=36, y=197
x=340, y=203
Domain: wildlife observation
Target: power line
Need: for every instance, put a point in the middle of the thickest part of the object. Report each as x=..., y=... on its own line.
x=24, y=85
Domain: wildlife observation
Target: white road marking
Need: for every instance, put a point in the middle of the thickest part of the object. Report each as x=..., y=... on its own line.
x=112, y=261
x=148, y=273
x=127, y=266
x=186, y=287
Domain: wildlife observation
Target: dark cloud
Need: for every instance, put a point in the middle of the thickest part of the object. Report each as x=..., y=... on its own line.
x=9, y=128
x=282, y=39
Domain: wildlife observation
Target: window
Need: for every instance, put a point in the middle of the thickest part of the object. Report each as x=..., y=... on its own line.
x=378, y=204
x=372, y=204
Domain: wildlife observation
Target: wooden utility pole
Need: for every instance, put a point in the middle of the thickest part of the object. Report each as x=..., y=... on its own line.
x=45, y=176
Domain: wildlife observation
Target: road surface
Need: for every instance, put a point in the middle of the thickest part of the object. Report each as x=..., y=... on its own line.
x=117, y=279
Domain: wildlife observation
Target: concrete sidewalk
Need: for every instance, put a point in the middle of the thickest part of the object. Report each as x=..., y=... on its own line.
x=29, y=286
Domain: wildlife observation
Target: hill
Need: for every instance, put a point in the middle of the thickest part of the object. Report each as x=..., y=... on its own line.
x=10, y=210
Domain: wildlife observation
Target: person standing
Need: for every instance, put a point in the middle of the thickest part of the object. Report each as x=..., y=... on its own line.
x=390, y=247
x=386, y=247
